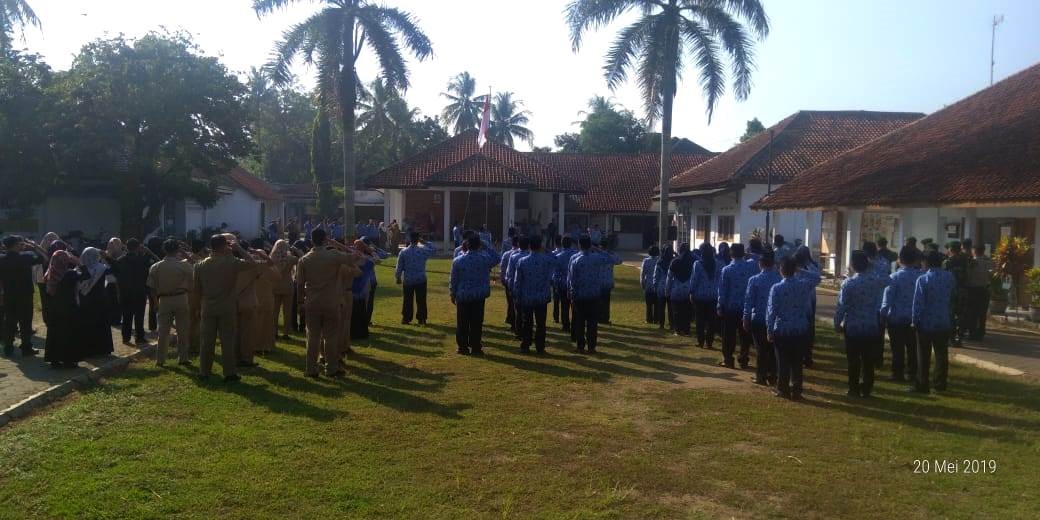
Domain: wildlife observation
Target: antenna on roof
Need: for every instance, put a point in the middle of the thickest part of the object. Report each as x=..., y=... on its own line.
x=997, y=20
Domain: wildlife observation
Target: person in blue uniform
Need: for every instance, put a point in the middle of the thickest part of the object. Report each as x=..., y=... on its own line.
x=858, y=317
x=756, y=303
x=732, y=286
x=678, y=286
x=563, y=259
x=584, y=286
x=508, y=249
x=411, y=274
x=470, y=285
x=523, y=249
x=646, y=283
x=808, y=271
x=896, y=308
x=705, y=295
x=660, y=283
x=788, y=316
x=532, y=286
x=932, y=318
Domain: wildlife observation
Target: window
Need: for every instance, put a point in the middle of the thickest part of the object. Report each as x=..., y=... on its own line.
x=727, y=227
x=703, y=228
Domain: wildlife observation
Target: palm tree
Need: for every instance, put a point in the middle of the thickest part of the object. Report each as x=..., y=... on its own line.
x=385, y=113
x=655, y=44
x=12, y=13
x=508, y=120
x=464, y=111
x=332, y=39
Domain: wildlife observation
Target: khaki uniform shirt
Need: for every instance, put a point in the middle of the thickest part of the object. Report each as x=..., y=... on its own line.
x=265, y=284
x=284, y=286
x=170, y=278
x=215, y=280
x=319, y=272
x=245, y=289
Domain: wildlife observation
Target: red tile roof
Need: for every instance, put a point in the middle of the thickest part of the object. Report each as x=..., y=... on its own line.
x=434, y=163
x=615, y=183
x=477, y=171
x=800, y=141
x=303, y=190
x=253, y=184
x=984, y=149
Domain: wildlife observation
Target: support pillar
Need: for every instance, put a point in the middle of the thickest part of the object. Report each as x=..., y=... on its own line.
x=449, y=245
x=853, y=223
x=561, y=199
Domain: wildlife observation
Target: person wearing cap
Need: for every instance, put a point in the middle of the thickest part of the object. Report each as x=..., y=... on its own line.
x=169, y=281
x=932, y=318
x=411, y=274
x=858, y=317
x=16, y=281
x=958, y=264
x=756, y=303
x=733, y=283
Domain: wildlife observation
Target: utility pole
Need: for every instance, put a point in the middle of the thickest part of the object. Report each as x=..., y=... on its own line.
x=997, y=20
x=769, y=187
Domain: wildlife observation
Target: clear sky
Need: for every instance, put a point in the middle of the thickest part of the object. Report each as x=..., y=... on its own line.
x=902, y=55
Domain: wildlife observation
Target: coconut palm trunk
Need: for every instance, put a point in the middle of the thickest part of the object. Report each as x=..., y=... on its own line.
x=664, y=215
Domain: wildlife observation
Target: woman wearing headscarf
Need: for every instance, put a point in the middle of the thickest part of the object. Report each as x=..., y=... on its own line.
x=63, y=348
x=95, y=331
x=45, y=297
x=808, y=272
x=705, y=293
x=114, y=251
x=285, y=263
x=678, y=286
x=39, y=270
x=661, y=287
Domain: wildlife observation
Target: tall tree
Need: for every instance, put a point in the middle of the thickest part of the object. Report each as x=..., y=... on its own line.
x=464, y=110
x=154, y=117
x=14, y=13
x=508, y=120
x=281, y=120
x=654, y=46
x=27, y=166
x=321, y=163
x=754, y=127
x=333, y=39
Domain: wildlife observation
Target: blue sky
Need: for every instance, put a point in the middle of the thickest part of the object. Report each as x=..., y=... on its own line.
x=908, y=55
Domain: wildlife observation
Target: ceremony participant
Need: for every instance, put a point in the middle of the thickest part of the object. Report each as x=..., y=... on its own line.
x=114, y=250
x=198, y=254
x=170, y=280
x=285, y=264
x=246, y=308
x=705, y=295
x=678, y=285
x=857, y=317
x=131, y=272
x=646, y=283
x=456, y=234
x=153, y=246
x=266, y=332
x=781, y=249
x=756, y=303
x=364, y=284
x=509, y=247
x=300, y=248
x=320, y=272
x=94, y=332
x=563, y=260
x=523, y=248
x=411, y=273
x=896, y=307
x=958, y=263
x=347, y=274
x=879, y=266
x=532, y=292
x=584, y=286
x=976, y=287
x=215, y=280
x=664, y=310
x=608, y=285
x=63, y=348
x=788, y=315
x=809, y=272
x=16, y=282
x=732, y=286
x=934, y=296
x=40, y=269
x=470, y=285
x=885, y=254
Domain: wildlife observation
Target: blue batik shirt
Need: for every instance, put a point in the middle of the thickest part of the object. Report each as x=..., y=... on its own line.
x=511, y=266
x=506, y=254
x=608, y=268
x=881, y=266
x=756, y=298
x=678, y=290
x=534, y=279
x=789, y=311
x=411, y=263
x=660, y=279
x=732, y=285
x=470, y=278
x=705, y=289
x=585, y=276
x=933, y=297
x=563, y=260
x=897, y=304
x=859, y=305
x=646, y=275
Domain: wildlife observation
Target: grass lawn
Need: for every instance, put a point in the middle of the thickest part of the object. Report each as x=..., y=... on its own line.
x=649, y=428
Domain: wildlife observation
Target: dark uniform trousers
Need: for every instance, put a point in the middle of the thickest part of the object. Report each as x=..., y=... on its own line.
x=765, y=354
x=532, y=326
x=586, y=323
x=977, y=308
x=133, y=316
x=903, y=342
x=731, y=332
x=790, y=351
x=862, y=354
x=604, y=305
x=682, y=315
x=663, y=313
x=556, y=305
x=414, y=292
x=938, y=341
x=707, y=321
x=650, y=298
x=560, y=295
x=17, y=315
x=469, y=324
x=510, y=310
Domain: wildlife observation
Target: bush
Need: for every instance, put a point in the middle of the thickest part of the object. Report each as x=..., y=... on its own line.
x=1034, y=285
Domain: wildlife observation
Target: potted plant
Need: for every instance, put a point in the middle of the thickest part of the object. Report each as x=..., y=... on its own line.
x=1033, y=275
x=1011, y=259
x=998, y=295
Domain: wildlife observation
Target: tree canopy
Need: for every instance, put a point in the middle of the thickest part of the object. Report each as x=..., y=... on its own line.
x=754, y=127
x=27, y=168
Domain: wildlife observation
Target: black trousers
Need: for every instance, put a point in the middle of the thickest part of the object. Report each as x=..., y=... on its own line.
x=510, y=310
x=416, y=292
x=926, y=343
x=153, y=313
x=651, y=306
x=790, y=351
x=370, y=307
x=586, y=323
x=707, y=322
x=556, y=305
x=862, y=354
x=731, y=332
x=765, y=354
x=904, y=351
x=662, y=310
x=359, y=317
x=560, y=297
x=604, y=306
x=977, y=309
x=469, y=324
x=532, y=327
x=133, y=316
x=17, y=316
x=682, y=315
x=808, y=361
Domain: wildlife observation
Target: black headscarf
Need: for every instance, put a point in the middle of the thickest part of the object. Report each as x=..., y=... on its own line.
x=665, y=260
x=708, y=260
x=682, y=267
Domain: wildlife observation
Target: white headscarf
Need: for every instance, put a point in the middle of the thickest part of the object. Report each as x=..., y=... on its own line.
x=90, y=259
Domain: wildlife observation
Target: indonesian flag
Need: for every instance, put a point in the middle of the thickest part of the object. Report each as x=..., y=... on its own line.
x=484, y=121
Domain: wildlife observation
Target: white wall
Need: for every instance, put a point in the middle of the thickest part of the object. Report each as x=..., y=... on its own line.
x=541, y=207
x=239, y=209
x=93, y=215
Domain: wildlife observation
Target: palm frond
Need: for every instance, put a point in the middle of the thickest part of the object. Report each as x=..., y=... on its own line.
x=628, y=44
x=405, y=26
x=294, y=40
x=393, y=68
x=706, y=51
x=262, y=7
x=583, y=15
x=737, y=44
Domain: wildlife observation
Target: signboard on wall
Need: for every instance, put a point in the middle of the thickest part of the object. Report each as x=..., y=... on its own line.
x=875, y=225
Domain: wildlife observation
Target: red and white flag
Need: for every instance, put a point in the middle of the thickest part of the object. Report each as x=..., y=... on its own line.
x=484, y=121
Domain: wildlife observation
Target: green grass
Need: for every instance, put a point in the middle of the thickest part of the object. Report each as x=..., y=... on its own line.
x=647, y=429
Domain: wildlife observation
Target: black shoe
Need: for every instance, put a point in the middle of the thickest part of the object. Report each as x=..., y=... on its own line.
x=339, y=374
x=232, y=378
x=796, y=396
x=71, y=365
x=406, y=322
x=184, y=363
x=29, y=351
x=782, y=394
x=479, y=351
x=592, y=350
x=916, y=390
x=757, y=381
x=422, y=323
x=940, y=388
x=852, y=393
x=864, y=395
x=285, y=337
x=540, y=351
x=726, y=364
x=462, y=350
x=579, y=349
x=744, y=365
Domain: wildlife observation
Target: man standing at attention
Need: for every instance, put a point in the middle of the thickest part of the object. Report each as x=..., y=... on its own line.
x=170, y=279
x=533, y=285
x=934, y=295
x=584, y=287
x=789, y=314
x=896, y=305
x=131, y=273
x=733, y=284
x=756, y=302
x=563, y=261
x=523, y=249
x=858, y=318
x=411, y=267
x=980, y=275
x=215, y=280
x=319, y=272
x=470, y=285
x=16, y=280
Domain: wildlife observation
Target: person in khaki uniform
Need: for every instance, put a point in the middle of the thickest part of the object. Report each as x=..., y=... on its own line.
x=265, y=284
x=247, y=333
x=198, y=253
x=285, y=263
x=347, y=273
x=170, y=280
x=215, y=280
x=319, y=272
